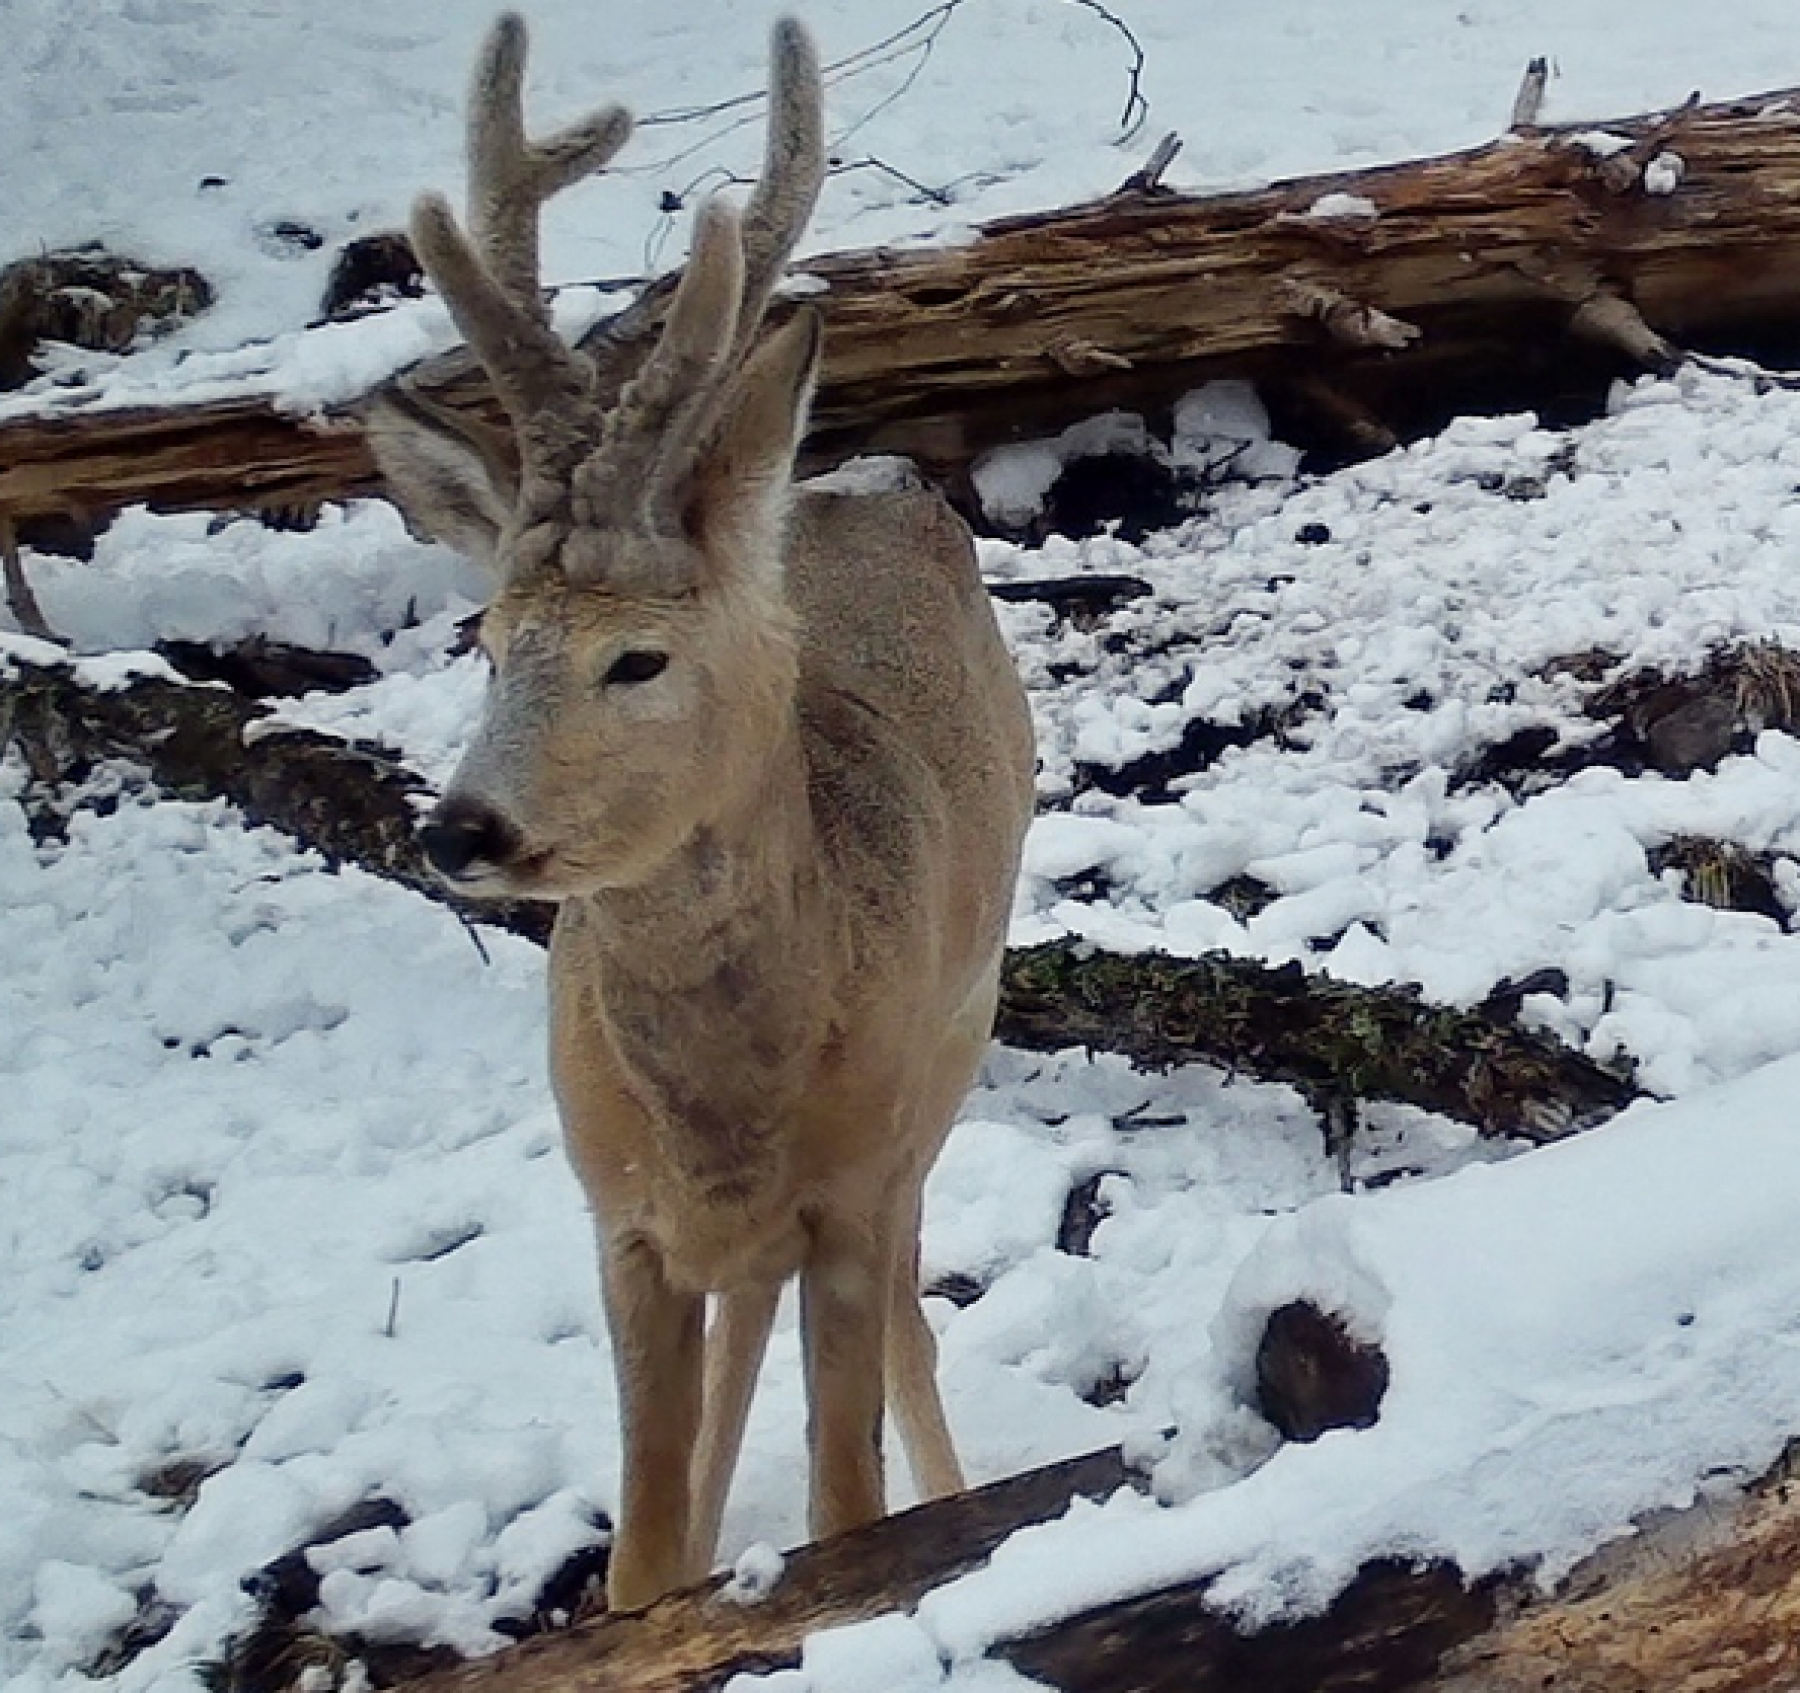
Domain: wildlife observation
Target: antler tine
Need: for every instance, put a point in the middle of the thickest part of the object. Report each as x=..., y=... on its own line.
x=531, y=370
x=793, y=170
x=510, y=176
x=491, y=284
x=665, y=411
x=680, y=375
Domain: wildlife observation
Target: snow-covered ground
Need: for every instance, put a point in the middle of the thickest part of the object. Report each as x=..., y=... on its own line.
x=256, y=140
x=285, y=1224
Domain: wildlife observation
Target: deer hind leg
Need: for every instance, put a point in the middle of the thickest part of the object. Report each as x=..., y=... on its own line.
x=656, y=1340
x=735, y=1343
x=844, y=1304
x=913, y=1392
x=912, y=1377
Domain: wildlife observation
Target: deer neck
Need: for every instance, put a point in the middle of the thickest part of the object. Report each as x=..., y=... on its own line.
x=745, y=876
x=712, y=980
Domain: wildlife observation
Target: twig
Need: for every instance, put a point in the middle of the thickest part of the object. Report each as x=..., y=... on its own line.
x=919, y=39
x=20, y=600
x=884, y=52
x=1149, y=178
x=937, y=196
x=1137, y=108
x=474, y=934
x=1528, y=103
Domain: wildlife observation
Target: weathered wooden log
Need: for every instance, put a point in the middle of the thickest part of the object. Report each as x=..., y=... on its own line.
x=1497, y=276
x=1339, y=1043
x=353, y=804
x=1705, y=1600
x=1313, y=1375
x=701, y=1638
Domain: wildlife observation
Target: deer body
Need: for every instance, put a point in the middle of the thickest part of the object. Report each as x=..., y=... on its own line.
x=759, y=1050
x=767, y=750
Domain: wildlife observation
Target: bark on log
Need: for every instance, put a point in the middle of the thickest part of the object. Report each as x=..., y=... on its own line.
x=1705, y=1600
x=1501, y=259
x=701, y=1638
x=1338, y=1043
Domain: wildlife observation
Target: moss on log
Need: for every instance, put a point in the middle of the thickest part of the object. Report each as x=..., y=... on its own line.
x=1333, y=1040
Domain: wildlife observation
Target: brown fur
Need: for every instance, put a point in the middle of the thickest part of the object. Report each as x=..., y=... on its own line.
x=785, y=860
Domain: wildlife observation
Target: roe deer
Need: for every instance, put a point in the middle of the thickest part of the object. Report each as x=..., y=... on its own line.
x=766, y=748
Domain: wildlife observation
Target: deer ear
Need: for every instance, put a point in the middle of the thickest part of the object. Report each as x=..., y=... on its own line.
x=740, y=486
x=451, y=484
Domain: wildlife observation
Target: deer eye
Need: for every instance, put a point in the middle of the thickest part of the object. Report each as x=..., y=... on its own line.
x=637, y=666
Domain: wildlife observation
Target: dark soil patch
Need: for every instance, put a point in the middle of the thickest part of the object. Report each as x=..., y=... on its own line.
x=90, y=298
x=1151, y=777
x=1085, y=600
x=1655, y=721
x=371, y=272
x=264, y=669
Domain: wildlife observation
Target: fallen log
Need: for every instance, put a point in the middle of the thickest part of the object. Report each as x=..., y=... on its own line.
x=1337, y=1042
x=1370, y=305
x=352, y=804
x=1705, y=1600
x=702, y=1637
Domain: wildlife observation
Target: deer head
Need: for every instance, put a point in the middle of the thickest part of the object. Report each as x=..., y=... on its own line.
x=635, y=529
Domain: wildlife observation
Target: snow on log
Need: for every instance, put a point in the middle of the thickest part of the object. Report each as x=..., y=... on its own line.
x=701, y=1638
x=1705, y=1600
x=352, y=804
x=1514, y=274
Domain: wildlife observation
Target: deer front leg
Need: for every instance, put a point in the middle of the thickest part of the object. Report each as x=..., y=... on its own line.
x=656, y=1344
x=735, y=1344
x=844, y=1304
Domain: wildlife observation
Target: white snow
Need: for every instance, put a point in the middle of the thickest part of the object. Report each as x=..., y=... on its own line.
x=1664, y=173
x=286, y=1223
x=168, y=136
x=1602, y=143
x=1351, y=208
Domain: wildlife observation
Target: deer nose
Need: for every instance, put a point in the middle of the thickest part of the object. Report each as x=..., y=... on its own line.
x=462, y=833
